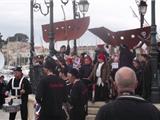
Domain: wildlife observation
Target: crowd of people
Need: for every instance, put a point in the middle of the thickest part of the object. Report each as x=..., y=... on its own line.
x=94, y=79
x=69, y=81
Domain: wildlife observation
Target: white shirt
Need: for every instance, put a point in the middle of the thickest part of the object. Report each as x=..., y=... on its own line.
x=98, y=74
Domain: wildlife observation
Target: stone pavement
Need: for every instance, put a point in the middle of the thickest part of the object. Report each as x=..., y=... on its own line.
x=5, y=115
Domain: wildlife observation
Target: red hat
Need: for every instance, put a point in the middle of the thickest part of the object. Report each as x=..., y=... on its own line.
x=101, y=56
x=69, y=60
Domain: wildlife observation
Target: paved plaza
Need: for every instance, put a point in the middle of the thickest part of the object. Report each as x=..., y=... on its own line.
x=5, y=115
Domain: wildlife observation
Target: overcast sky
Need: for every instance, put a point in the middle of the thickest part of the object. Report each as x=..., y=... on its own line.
x=113, y=14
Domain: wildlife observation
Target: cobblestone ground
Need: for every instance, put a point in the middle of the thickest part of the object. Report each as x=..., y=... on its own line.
x=5, y=115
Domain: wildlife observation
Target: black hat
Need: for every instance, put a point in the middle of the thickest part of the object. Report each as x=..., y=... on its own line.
x=63, y=46
x=83, y=54
x=2, y=76
x=18, y=68
x=74, y=72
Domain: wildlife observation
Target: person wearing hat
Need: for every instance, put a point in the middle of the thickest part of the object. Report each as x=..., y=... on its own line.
x=78, y=97
x=100, y=76
x=19, y=87
x=51, y=93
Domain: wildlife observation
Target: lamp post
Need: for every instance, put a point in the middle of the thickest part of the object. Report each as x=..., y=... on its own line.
x=155, y=91
x=51, y=31
x=34, y=6
x=49, y=6
x=142, y=11
x=83, y=7
x=32, y=50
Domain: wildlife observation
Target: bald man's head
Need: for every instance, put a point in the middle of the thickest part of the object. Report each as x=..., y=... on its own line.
x=125, y=80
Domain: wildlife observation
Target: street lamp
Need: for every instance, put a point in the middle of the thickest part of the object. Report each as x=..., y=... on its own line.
x=142, y=11
x=49, y=6
x=83, y=7
x=34, y=6
x=155, y=90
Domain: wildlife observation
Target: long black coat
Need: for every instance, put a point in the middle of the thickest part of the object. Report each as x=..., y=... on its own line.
x=126, y=57
x=78, y=101
x=128, y=108
x=146, y=81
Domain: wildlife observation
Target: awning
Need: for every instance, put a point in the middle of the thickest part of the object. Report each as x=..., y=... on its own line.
x=67, y=30
x=128, y=37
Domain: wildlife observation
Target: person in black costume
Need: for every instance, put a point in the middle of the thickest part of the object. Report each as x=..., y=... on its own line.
x=19, y=86
x=126, y=56
x=127, y=106
x=146, y=76
x=51, y=93
x=138, y=70
x=100, y=76
x=84, y=71
x=78, y=97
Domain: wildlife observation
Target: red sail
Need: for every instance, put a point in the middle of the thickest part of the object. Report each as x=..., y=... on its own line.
x=67, y=30
x=129, y=37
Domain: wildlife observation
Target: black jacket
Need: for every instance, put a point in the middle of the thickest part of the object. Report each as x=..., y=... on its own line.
x=78, y=101
x=128, y=108
x=51, y=94
x=126, y=57
x=85, y=71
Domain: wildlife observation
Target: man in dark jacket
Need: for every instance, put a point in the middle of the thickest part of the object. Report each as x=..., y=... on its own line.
x=51, y=93
x=78, y=96
x=127, y=106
